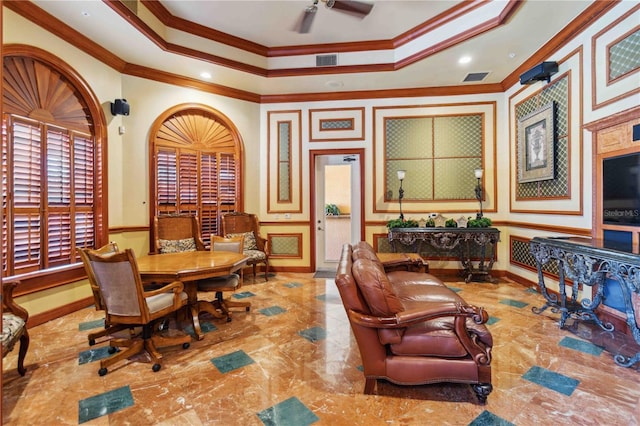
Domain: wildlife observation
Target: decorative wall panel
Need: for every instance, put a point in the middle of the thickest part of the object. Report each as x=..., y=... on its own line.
x=439, y=147
x=563, y=193
x=616, y=60
x=521, y=256
x=284, y=168
x=285, y=246
x=327, y=125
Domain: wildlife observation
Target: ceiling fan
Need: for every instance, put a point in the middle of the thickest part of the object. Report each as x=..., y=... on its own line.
x=357, y=8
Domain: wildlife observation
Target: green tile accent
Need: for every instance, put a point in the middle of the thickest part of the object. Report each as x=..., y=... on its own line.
x=271, y=311
x=487, y=418
x=581, y=345
x=313, y=334
x=94, y=354
x=104, y=403
x=232, y=361
x=243, y=295
x=290, y=412
x=90, y=325
x=514, y=303
x=551, y=380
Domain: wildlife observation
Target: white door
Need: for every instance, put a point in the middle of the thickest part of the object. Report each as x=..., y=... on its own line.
x=337, y=181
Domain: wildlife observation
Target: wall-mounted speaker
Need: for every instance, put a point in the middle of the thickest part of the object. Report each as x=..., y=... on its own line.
x=120, y=107
x=540, y=72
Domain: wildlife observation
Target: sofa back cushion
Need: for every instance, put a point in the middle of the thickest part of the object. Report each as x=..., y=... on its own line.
x=376, y=288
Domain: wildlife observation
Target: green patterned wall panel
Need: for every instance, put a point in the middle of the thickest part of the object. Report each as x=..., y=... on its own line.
x=521, y=256
x=624, y=56
x=439, y=155
x=450, y=183
x=558, y=93
x=418, y=181
x=336, y=124
x=285, y=245
x=458, y=136
x=408, y=137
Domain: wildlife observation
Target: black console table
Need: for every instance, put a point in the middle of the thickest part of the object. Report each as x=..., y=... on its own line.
x=459, y=240
x=588, y=262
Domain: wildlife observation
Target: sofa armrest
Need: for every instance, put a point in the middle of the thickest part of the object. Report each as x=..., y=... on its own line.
x=428, y=311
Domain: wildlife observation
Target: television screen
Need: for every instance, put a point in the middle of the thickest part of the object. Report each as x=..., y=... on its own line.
x=621, y=190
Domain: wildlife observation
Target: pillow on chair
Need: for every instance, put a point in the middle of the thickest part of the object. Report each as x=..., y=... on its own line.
x=249, y=240
x=176, y=246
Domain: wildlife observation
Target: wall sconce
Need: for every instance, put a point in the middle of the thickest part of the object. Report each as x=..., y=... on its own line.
x=401, y=174
x=478, y=190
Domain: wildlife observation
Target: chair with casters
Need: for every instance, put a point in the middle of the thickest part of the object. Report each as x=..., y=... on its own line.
x=127, y=303
x=256, y=248
x=227, y=282
x=14, y=325
x=108, y=329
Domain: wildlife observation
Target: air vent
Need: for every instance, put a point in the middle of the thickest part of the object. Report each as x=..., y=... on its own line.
x=326, y=60
x=476, y=76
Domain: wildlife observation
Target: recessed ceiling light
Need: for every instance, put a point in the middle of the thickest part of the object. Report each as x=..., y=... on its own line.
x=205, y=75
x=512, y=55
x=334, y=84
x=464, y=60
x=85, y=13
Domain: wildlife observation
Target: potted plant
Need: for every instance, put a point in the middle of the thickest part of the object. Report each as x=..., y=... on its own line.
x=483, y=222
x=399, y=223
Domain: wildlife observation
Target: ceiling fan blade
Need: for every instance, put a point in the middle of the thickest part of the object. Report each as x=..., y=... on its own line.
x=356, y=7
x=307, y=19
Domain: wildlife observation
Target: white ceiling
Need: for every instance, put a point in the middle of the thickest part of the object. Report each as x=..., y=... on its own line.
x=499, y=51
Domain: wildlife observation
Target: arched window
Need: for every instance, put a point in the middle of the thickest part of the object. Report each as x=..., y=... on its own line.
x=52, y=164
x=196, y=163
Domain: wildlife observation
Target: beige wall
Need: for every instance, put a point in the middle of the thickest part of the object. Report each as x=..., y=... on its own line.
x=128, y=153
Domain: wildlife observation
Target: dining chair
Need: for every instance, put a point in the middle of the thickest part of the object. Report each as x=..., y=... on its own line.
x=224, y=283
x=256, y=248
x=108, y=329
x=176, y=233
x=127, y=303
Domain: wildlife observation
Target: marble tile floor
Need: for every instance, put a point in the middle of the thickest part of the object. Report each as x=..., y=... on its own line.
x=293, y=361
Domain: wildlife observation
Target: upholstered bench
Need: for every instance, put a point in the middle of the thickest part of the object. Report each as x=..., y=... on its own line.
x=14, y=325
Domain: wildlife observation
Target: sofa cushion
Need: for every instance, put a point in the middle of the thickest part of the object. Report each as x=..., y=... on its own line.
x=375, y=288
x=430, y=338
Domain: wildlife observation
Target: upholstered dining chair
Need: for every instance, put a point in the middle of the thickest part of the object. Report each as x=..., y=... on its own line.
x=256, y=248
x=175, y=233
x=127, y=303
x=227, y=282
x=14, y=325
x=108, y=329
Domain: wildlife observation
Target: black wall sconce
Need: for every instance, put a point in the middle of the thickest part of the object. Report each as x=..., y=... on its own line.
x=401, y=174
x=478, y=190
x=120, y=107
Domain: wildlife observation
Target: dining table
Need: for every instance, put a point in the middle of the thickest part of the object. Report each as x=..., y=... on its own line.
x=189, y=267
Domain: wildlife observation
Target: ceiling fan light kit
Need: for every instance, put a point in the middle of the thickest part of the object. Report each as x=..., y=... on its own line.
x=352, y=7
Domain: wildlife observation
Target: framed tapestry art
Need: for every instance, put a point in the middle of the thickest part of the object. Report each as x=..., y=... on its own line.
x=536, y=145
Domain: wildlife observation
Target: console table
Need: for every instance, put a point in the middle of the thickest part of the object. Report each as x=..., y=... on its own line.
x=460, y=240
x=588, y=262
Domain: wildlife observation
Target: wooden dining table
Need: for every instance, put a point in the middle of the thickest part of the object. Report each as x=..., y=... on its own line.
x=189, y=267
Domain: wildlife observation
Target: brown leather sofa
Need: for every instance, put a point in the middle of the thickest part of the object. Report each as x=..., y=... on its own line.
x=411, y=329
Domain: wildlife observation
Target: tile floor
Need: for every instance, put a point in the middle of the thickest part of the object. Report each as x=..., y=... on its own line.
x=292, y=361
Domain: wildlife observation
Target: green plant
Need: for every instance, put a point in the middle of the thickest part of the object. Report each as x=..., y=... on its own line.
x=483, y=222
x=429, y=223
x=331, y=209
x=451, y=223
x=399, y=223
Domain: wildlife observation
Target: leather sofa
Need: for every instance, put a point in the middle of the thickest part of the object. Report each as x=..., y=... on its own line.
x=411, y=329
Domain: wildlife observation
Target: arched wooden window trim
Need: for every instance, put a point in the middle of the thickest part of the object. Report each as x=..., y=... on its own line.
x=49, y=278
x=195, y=128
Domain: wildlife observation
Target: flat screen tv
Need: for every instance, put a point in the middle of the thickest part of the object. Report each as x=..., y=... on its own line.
x=621, y=190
